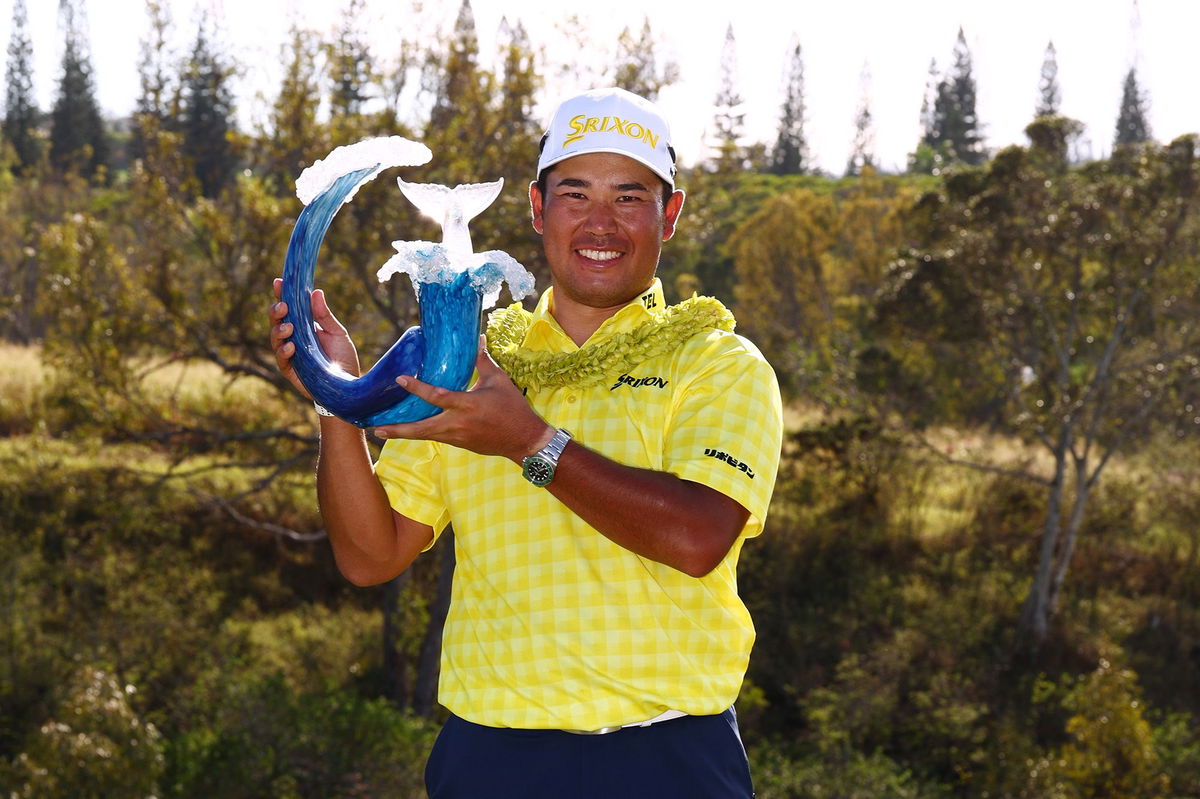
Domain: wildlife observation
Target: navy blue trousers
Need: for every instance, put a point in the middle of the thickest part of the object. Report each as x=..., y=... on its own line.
x=693, y=757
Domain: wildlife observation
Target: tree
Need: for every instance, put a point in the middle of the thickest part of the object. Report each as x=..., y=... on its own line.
x=157, y=106
x=350, y=67
x=395, y=73
x=1133, y=127
x=455, y=79
x=1049, y=94
x=789, y=156
x=928, y=99
x=923, y=158
x=295, y=139
x=949, y=124
x=78, y=141
x=806, y=263
x=862, y=150
x=207, y=112
x=956, y=124
x=576, y=36
x=784, y=300
x=1057, y=304
x=482, y=126
x=513, y=147
x=730, y=118
x=94, y=745
x=636, y=68
x=21, y=113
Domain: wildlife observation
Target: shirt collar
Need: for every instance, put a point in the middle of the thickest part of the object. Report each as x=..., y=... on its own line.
x=545, y=333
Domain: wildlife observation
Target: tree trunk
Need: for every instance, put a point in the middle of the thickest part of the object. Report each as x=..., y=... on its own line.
x=1035, y=613
x=425, y=688
x=395, y=667
x=1083, y=490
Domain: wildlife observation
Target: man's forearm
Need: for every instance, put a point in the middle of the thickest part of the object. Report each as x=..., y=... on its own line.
x=370, y=541
x=680, y=523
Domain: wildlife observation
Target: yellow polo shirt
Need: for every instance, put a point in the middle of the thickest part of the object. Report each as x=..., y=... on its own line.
x=552, y=625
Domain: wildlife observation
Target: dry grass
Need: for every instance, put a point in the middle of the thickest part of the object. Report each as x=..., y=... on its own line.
x=202, y=384
x=23, y=370
x=22, y=382
x=181, y=393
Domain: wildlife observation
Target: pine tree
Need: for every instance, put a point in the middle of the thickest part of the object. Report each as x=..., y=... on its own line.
x=512, y=149
x=790, y=153
x=207, y=113
x=862, y=151
x=78, y=141
x=956, y=124
x=519, y=84
x=1049, y=95
x=1133, y=126
x=462, y=122
x=730, y=117
x=20, y=106
x=351, y=70
x=295, y=139
x=157, y=105
x=457, y=80
x=924, y=158
x=928, y=100
x=637, y=68
x=576, y=36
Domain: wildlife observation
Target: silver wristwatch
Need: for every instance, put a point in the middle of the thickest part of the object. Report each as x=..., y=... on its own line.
x=539, y=467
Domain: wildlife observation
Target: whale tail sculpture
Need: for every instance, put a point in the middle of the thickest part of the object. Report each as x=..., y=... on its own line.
x=452, y=208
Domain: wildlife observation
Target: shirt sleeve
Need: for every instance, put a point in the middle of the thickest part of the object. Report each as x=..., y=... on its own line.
x=726, y=428
x=408, y=472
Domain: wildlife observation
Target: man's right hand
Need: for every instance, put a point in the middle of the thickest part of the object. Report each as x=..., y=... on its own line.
x=331, y=334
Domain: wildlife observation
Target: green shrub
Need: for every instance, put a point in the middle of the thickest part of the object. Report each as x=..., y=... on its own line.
x=267, y=740
x=857, y=776
x=94, y=746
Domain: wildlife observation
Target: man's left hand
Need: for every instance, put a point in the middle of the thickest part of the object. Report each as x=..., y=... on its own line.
x=492, y=417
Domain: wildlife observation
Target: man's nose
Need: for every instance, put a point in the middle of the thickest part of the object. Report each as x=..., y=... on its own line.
x=600, y=220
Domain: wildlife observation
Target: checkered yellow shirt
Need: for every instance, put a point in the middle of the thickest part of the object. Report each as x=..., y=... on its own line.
x=552, y=625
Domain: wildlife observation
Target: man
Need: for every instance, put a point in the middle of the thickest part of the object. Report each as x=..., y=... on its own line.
x=595, y=641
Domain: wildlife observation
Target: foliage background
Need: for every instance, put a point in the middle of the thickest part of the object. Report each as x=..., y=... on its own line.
x=979, y=577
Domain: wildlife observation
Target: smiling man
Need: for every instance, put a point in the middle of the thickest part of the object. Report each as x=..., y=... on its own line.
x=601, y=476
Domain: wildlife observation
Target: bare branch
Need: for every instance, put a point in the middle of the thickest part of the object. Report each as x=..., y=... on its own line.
x=988, y=468
x=274, y=529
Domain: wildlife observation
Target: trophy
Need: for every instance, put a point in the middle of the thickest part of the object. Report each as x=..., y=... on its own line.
x=453, y=285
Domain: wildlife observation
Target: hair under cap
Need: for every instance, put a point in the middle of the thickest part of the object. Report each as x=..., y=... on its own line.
x=610, y=120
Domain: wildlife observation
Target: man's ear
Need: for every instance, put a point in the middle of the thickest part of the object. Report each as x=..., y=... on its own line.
x=671, y=212
x=535, y=206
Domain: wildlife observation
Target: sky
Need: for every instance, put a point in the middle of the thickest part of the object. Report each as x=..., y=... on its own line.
x=890, y=41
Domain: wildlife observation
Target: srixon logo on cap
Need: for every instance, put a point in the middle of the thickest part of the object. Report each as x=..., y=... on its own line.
x=582, y=125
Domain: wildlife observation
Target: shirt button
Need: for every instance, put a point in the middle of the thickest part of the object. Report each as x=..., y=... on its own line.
x=572, y=397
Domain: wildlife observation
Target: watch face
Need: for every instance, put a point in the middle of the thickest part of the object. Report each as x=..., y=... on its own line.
x=538, y=470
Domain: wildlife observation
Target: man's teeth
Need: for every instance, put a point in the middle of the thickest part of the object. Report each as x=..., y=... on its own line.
x=599, y=255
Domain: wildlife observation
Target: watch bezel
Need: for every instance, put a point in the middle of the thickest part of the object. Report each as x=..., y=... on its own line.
x=535, y=463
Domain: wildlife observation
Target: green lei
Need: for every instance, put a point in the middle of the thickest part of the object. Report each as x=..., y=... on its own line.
x=600, y=362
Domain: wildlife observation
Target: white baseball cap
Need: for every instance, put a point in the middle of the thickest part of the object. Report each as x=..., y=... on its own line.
x=610, y=120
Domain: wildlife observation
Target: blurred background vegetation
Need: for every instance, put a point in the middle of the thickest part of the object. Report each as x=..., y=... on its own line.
x=980, y=574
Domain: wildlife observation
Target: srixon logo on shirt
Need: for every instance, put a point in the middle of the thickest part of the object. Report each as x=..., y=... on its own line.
x=638, y=382
x=741, y=466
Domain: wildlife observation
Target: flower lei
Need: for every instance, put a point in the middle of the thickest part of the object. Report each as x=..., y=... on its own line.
x=597, y=363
